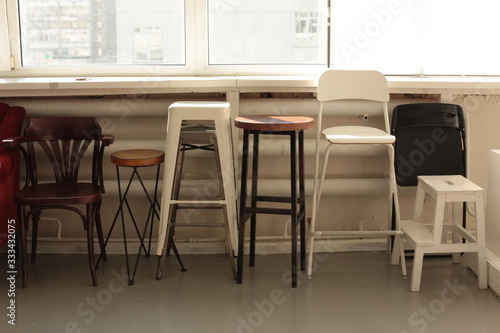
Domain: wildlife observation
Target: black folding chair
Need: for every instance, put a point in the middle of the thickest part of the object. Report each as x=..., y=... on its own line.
x=430, y=140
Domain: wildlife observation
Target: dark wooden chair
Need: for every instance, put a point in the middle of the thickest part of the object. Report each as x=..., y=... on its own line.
x=64, y=142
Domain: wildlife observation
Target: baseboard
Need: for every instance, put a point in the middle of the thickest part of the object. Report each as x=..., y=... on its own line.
x=209, y=247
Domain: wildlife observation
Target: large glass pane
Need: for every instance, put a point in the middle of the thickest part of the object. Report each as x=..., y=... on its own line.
x=102, y=32
x=375, y=34
x=463, y=40
x=267, y=32
x=4, y=39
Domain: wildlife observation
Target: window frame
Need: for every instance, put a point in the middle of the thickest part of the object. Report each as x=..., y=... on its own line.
x=197, y=62
x=118, y=70
x=5, y=53
x=196, y=54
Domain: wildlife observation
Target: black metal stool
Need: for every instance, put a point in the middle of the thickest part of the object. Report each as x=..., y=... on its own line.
x=137, y=158
x=294, y=127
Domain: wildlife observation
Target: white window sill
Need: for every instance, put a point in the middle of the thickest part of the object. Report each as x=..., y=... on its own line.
x=72, y=86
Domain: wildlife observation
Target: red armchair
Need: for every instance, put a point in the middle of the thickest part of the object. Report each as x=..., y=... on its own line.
x=11, y=122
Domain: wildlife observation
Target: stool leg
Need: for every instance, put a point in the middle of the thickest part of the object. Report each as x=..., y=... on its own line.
x=175, y=193
x=293, y=202
x=416, y=274
x=457, y=222
x=224, y=175
x=318, y=187
x=302, y=202
x=120, y=209
x=150, y=218
x=155, y=202
x=243, y=197
x=481, y=243
x=255, y=177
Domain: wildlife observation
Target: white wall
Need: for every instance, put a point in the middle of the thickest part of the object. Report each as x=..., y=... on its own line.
x=139, y=122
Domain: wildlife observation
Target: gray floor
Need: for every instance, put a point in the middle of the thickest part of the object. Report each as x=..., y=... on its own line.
x=349, y=292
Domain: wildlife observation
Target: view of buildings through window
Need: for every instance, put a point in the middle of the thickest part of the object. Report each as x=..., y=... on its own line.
x=402, y=37
x=122, y=32
x=102, y=32
x=267, y=32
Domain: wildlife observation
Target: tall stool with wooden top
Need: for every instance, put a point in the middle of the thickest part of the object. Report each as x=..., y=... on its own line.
x=292, y=126
x=135, y=159
x=196, y=125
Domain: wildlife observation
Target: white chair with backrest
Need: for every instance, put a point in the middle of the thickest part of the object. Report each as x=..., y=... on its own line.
x=354, y=86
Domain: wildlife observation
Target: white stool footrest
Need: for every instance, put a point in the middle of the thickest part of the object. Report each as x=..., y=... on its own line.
x=358, y=233
x=416, y=232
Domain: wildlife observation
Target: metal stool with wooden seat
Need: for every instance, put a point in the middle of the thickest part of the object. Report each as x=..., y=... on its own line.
x=292, y=126
x=137, y=158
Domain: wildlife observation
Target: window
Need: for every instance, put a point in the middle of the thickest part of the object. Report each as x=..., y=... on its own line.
x=422, y=37
x=148, y=45
x=93, y=32
x=216, y=37
x=306, y=29
x=4, y=41
x=267, y=32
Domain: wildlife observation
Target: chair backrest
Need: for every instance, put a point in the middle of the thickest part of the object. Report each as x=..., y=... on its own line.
x=65, y=141
x=336, y=85
x=430, y=140
x=360, y=85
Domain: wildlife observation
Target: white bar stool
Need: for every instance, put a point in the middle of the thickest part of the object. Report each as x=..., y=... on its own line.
x=203, y=125
x=428, y=238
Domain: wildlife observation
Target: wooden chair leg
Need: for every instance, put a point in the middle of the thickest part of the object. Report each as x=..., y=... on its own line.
x=23, y=245
x=34, y=235
x=100, y=236
x=90, y=242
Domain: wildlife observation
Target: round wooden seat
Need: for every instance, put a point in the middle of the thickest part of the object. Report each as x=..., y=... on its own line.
x=274, y=123
x=137, y=157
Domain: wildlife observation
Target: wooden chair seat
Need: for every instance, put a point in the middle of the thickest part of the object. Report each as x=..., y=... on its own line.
x=59, y=194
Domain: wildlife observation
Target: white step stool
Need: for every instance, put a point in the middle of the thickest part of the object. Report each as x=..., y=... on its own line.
x=428, y=238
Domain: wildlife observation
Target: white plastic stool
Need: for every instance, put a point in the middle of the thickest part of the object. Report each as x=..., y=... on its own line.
x=425, y=238
x=178, y=135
